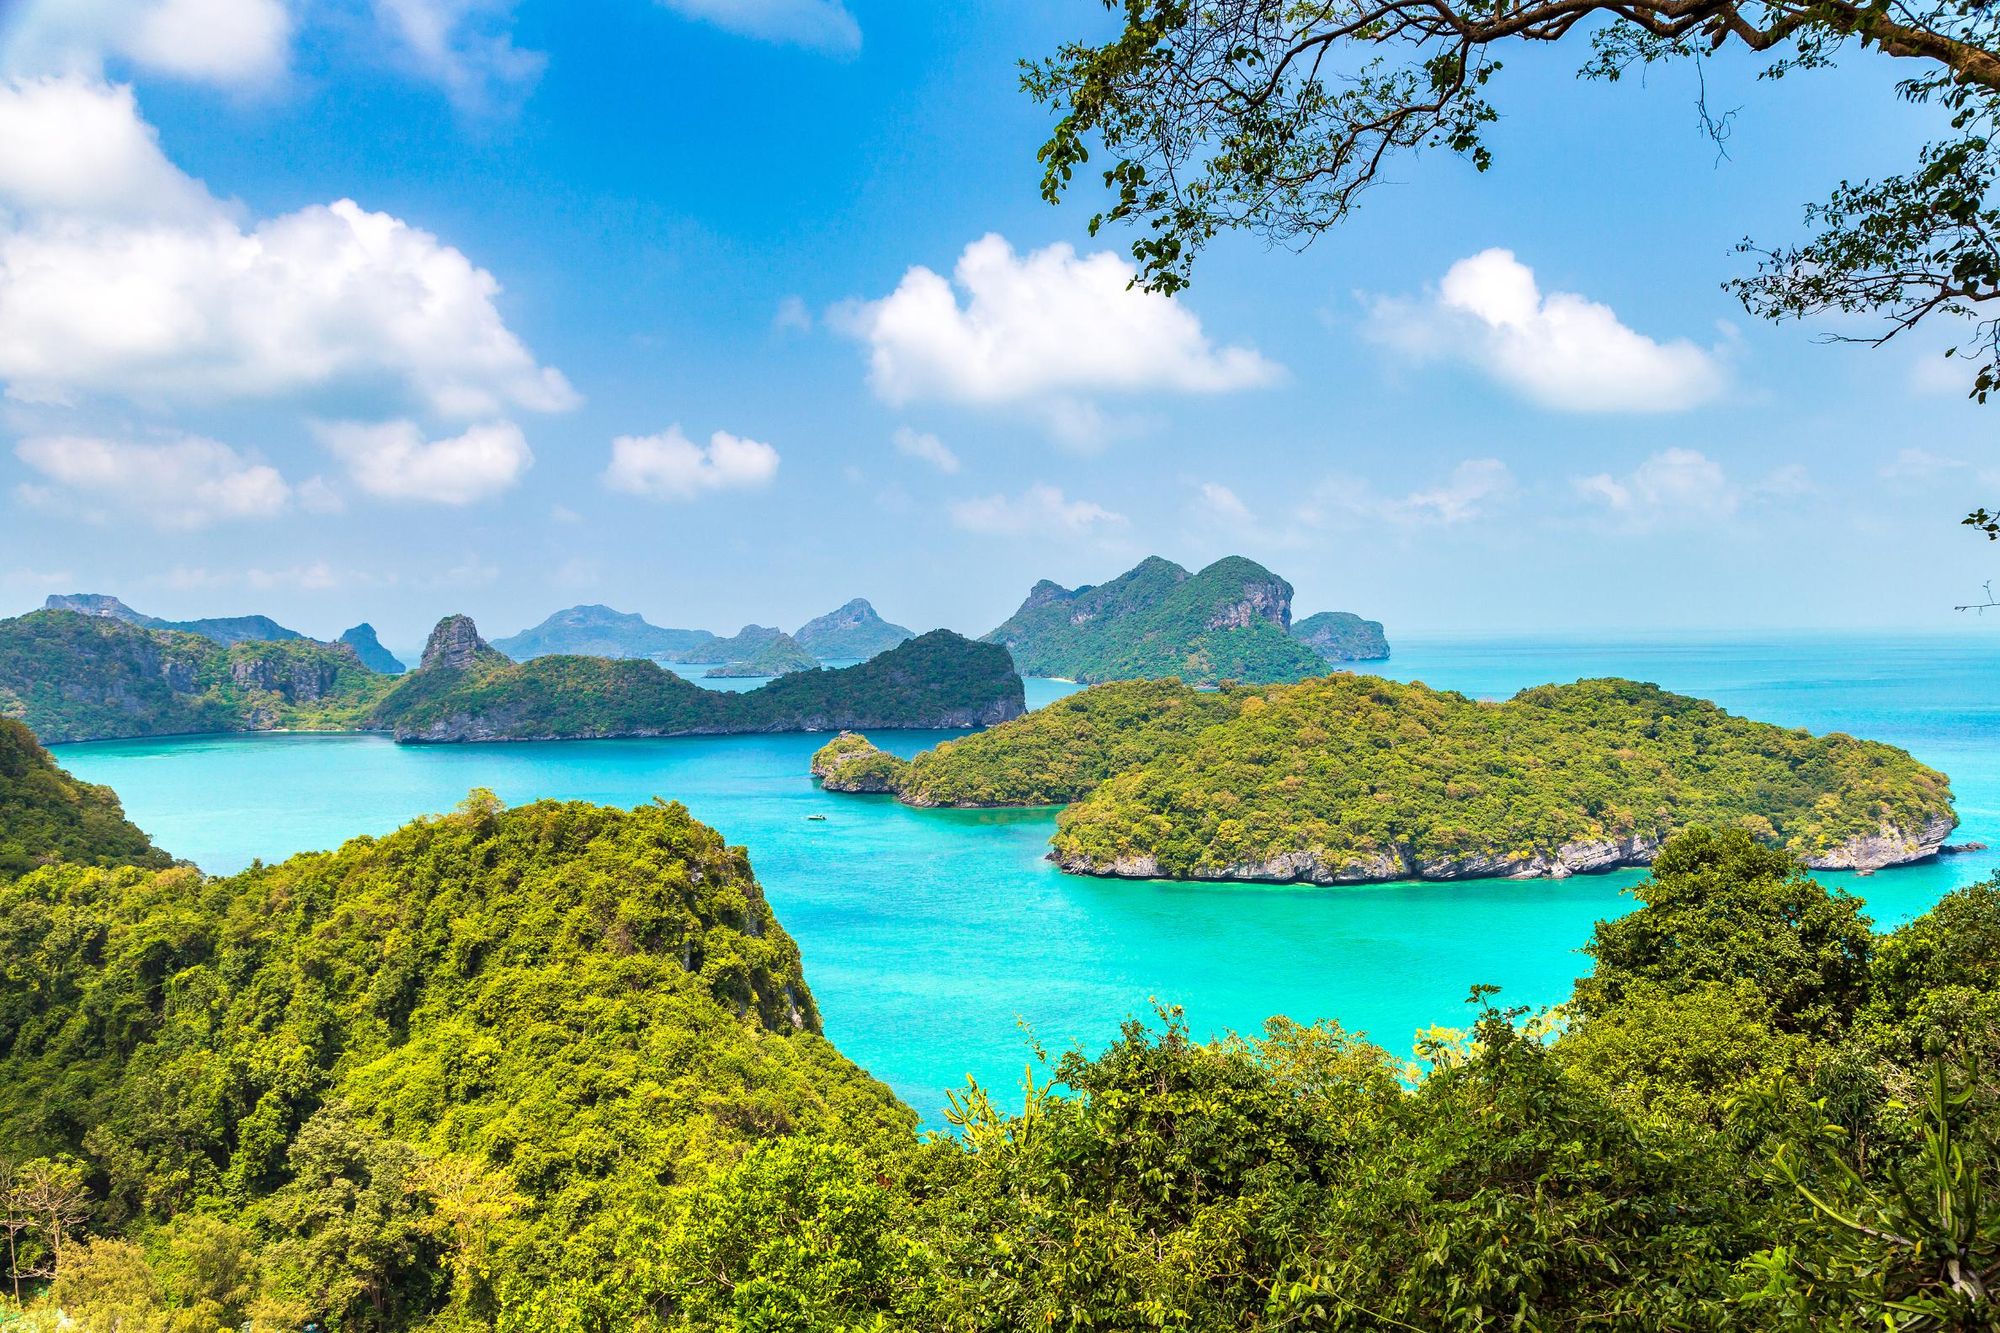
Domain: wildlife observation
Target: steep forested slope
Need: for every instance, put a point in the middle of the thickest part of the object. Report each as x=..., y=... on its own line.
x=47, y=815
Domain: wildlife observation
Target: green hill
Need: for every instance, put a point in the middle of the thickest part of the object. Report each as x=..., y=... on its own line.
x=457, y=1070
x=1354, y=778
x=47, y=815
x=75, y=677
x=1342, y=636
x=1228, y=622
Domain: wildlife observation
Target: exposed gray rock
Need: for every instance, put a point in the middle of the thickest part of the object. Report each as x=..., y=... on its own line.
x=455, y=645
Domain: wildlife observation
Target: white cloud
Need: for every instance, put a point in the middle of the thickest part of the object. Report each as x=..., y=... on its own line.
x=231, y=43
x=928, y=447
x=1222, y=505
x=188, y=304
x=1685, y=485
x=392, y=459
x=1047, y=329
x=823, y=25
x=179, y=484
x=1559, y=350
x=72, y=146
x=465, y=46
x=1041, y=510
x=792, y=316
x=1678, y=480
x=1474, y=489
x=669, y=466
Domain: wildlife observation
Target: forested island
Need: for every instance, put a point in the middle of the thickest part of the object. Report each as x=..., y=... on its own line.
x=72, y=677
x=1230, y=621
x=780, y=656
x=559, y=1068
x=466, y=691
x=1350, y=779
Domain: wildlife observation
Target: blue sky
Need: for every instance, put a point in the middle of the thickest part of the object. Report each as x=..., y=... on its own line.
x=654, y=304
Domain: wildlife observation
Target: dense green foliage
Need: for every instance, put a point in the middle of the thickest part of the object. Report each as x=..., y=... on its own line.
x=1347, y=770
x=47, y=815
x=599, y=631
x=780, y=656
x=1342, y=636
x=936, y=680
x=1054, y=755
x=555, y=1069
x=1355, y=777
x=1227, y=622
x=452, y=1077
x=81, y=677
x=852, y=630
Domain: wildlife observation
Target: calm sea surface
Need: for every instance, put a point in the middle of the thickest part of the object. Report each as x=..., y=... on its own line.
x=937, y=941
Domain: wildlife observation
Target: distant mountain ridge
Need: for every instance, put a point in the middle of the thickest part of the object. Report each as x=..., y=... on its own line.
x=596, y=630
x=71, y=676
x=467, y=691
x=370, y=650
x=225, y=630
x=1229, y=621
x=852, y=630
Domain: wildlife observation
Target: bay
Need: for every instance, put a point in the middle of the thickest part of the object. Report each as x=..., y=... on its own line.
x=940, y=942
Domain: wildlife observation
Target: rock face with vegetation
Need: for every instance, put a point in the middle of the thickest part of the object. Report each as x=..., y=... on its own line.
x=74, y=677
x=1350, y=779
x=1342, y=636
x=778, y=656
x=1230, y=621
x=225, y=630
x=558, y=1069
x=468, y=692
x=599, y=631
x=852, y=630
x=46, y=815
x=370, y=650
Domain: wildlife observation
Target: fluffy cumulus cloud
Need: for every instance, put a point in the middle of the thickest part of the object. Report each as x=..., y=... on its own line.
x=1557, y=349
x=105, y=291
x=824, y=25
x=231, y=43
x=921, y=444
x=183, y=483
x=1050, y=327
x=670, y=466
x=1039, y=511
x=394, y=460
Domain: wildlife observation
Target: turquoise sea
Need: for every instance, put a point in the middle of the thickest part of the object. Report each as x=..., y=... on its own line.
x=937, y=941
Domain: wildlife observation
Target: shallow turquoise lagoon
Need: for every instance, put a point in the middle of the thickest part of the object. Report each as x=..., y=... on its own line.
x=936, y=941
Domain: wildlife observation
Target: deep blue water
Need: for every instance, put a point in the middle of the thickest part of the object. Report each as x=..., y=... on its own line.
x=936, y=939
